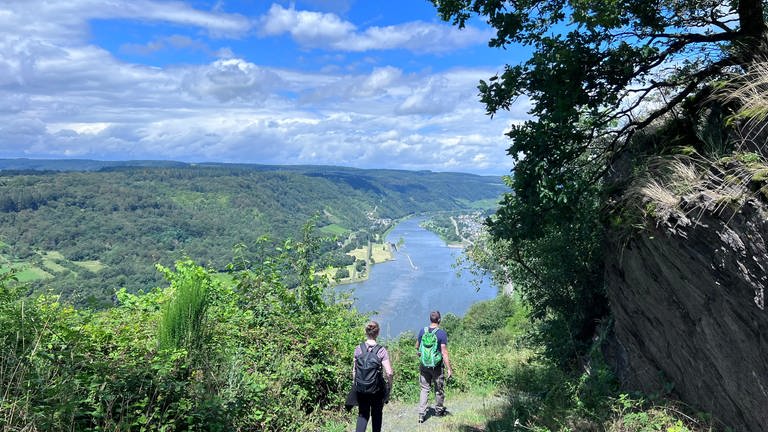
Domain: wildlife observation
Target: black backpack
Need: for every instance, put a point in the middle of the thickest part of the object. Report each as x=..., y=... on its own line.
x=368, y=377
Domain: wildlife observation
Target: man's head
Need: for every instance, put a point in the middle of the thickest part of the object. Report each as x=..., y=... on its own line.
x=434, y=317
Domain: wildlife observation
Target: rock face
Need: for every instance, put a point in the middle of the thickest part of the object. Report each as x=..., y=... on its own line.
x=688, y=299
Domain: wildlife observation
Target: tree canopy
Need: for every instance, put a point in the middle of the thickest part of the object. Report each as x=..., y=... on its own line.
x=600, y=71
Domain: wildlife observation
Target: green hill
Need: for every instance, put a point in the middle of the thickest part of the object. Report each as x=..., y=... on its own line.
x=86, y=233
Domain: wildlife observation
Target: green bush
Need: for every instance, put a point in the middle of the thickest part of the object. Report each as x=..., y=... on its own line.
x=405, y=362
x=199, y=354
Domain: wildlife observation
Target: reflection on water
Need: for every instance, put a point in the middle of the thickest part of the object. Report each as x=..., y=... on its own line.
x=401, y=293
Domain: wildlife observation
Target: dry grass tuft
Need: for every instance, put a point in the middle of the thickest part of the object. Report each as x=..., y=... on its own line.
x=654, y=192
x=749, y=91
x=658, y=190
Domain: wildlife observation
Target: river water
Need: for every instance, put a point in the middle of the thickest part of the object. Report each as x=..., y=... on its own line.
x=401, y=293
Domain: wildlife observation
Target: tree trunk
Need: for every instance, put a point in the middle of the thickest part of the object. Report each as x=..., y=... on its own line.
x=751, y=20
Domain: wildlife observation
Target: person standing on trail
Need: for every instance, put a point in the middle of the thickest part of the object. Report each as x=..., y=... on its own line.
x=372, y=387
x=434, y=364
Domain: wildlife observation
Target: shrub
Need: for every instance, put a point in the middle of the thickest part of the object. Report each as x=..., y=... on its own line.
x=248, y=355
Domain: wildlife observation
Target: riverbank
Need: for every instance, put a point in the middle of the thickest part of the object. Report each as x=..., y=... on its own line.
x=380, y=252
x=457, y=231
x=423, y=277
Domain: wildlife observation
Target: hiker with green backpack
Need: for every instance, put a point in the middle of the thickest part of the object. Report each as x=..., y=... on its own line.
x=434, y=365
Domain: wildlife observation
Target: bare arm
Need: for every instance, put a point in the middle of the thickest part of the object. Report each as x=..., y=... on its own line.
x=446, y=360
x=388, y=373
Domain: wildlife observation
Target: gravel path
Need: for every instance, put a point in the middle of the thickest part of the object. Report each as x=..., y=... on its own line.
x=467, y=413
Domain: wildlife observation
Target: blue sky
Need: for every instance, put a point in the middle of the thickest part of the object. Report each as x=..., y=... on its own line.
x=361, y=83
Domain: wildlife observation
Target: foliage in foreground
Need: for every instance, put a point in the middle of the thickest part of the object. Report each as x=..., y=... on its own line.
x=492, y=352
x=251, y=355
x=492, y=349
x=267, y=358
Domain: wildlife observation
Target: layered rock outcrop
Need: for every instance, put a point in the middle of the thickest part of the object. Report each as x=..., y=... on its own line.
x=688, y=299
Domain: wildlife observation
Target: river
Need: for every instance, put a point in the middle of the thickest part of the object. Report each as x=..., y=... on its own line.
x=401, y=293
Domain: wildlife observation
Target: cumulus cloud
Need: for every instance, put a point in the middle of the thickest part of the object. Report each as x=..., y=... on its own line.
x=236, y=111
x=328, y=31
x=307, y=28
x=63, y=96
x=229, y=79
x=433, y=98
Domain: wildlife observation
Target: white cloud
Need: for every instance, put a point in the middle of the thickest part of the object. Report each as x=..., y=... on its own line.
x=66, y=21
x=328, y=31
x=307, y=28
x=217, y=23
x=434, y=98
x=418, y=37
x=77, y=128
x=63, y=96
x=230, y=79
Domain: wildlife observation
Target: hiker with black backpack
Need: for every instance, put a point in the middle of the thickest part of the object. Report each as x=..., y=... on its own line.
x=372, y=379
x=434, y=365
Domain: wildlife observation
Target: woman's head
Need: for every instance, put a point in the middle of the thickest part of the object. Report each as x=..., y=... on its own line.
x=372, y=329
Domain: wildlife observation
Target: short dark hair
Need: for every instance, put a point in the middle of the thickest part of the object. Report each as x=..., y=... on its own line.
x=434, y=317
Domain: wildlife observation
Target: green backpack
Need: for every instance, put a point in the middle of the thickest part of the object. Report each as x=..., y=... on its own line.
x=429, y=350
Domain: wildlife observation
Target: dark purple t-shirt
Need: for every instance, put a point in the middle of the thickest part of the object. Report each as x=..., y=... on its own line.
x=442, y=336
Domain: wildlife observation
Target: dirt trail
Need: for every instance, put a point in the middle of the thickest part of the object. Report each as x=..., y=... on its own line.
x=467, y=413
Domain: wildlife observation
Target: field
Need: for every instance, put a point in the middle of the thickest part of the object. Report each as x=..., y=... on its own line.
x=334, y=229
x=46, y=265
x=379, y=253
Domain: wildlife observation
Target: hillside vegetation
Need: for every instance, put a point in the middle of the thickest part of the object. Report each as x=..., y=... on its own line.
x=86, y=234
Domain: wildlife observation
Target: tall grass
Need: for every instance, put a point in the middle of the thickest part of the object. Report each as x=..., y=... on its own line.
x=182, y=324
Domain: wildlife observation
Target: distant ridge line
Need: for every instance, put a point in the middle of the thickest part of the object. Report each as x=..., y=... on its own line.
x=62, y=165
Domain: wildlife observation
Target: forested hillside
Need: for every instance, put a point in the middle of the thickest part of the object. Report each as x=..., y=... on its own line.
x=88, y=233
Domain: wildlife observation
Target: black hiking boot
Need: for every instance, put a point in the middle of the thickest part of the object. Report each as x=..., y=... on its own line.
x=421, y=418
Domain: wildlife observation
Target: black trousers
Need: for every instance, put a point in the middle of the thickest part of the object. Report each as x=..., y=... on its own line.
x=369, y=406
